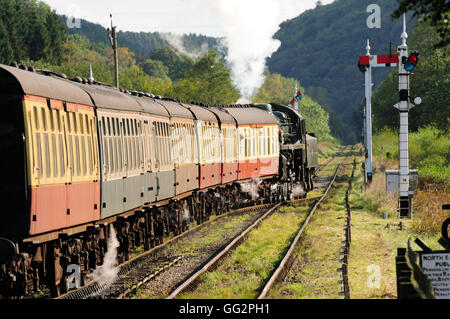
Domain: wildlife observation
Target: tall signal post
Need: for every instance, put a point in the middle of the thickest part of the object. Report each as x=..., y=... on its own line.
x=113, y=39
x=368, y=124
x=366, y=63
x=407, y=64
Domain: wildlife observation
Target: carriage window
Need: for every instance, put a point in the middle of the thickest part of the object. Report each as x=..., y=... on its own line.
x=47, y=155
x=58, y=120
x=114, y=126
x=246, y=143
x=77, y=155
x=80, y=118
x=88, y=131
x=70, y=148
x=52, y=125
x=89, y=154
x=44, y=119
x=83, y=154
x=61, y=156
x=75, y=125
x=36, y=117
x=55, y=162
x=39, y=153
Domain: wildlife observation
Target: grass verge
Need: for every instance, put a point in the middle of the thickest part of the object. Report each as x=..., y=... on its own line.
x=243, y=274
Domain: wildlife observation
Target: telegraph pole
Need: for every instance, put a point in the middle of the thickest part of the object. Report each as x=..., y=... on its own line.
x=113, y=39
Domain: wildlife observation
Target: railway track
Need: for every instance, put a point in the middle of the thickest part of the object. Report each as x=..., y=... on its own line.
x=135, y=272
x=192, y=282
x=141, y=269
x=288, y=258
x=285, y=265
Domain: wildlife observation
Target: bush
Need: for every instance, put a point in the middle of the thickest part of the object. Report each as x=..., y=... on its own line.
x=428, y=152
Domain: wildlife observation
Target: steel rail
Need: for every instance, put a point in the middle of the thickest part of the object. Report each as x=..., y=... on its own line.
x=287, y=259
x=191, y=282
x=93, y=287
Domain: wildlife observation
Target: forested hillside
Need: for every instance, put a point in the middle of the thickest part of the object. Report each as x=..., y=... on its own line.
x=321, y=48
x=32, y=34
x=29, y=29
x=430, y=80
x=143, y=43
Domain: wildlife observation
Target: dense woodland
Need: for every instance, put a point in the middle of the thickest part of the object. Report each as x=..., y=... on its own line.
x=33, y=34
x=147, y=61
x=321, y=48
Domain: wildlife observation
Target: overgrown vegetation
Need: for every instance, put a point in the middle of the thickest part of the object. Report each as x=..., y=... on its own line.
x=428, y=152
x=243, y=274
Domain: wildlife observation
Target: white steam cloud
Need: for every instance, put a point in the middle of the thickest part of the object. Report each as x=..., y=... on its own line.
x=298, y=191
x=176, y=41
x=106, y=274
x=248, y=28
x=251, y=188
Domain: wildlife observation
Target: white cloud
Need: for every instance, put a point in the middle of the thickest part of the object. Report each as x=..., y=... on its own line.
x=178, y=16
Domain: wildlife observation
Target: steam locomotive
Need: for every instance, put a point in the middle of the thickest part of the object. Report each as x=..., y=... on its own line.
x=79, y=156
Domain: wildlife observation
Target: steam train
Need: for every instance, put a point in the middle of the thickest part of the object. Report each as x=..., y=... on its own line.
x=79, y=156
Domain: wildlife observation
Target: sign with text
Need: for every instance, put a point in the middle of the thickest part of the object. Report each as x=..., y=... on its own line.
x=437, y=268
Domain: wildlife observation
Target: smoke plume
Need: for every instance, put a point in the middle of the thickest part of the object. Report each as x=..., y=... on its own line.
x=176, y=42
x=107, y=273
x=248, y=28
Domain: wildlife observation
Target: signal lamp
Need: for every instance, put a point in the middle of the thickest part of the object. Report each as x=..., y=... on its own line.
x=411, y=62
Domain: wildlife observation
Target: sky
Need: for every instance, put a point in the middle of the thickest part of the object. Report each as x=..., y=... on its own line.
x=176, y=16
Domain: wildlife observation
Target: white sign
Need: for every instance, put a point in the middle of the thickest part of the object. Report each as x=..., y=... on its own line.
x=437, y=269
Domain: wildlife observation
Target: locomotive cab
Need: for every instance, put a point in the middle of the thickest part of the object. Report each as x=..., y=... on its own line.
x=298, y=149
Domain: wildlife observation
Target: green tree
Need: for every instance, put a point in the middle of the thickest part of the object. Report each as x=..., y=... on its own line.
x=176, y=63
x=155, y=68
x=58, y=36
x=430, y=80
x=320, y=48
x=6, y=51
x=316, y=117
x=32, y=30
x=276, y=89
x=435, y=11
x=207, y=81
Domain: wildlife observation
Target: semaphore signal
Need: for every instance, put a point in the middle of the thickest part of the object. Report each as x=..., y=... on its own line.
x=406, y=63
x=365, y=65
